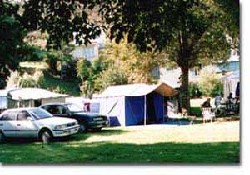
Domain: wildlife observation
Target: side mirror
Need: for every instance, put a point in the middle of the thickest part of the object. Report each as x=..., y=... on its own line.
x=30, y=118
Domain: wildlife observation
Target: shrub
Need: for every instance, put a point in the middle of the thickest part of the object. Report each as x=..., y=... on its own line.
x=209, y=81
x=27, y=81
x=17, y=80
x=110, y=77
x=217, y=89
x=194, y=90
x=13, y=79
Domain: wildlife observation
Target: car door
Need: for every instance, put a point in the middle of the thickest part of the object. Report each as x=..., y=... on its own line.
x=8, y=124
x=25, y=125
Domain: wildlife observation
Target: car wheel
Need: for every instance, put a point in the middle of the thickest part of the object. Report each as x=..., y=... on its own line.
x=45, y=136
x=2, y=137
x=82, y=128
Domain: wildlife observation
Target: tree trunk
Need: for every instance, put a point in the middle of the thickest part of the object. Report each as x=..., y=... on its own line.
x=52, y=66
x=184, y=88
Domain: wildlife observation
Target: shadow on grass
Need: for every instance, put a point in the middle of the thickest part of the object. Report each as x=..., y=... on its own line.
x=106, y=153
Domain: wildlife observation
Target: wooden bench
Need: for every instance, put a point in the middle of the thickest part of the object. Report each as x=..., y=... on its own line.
x=207, y=114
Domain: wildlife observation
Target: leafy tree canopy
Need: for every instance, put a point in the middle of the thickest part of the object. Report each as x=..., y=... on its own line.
x=60, y=19
x=11, y=35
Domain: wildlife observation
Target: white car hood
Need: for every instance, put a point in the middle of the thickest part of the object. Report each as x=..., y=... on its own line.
x=56, y=121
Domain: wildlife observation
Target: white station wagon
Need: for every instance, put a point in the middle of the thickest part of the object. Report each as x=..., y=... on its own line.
x=35, y=123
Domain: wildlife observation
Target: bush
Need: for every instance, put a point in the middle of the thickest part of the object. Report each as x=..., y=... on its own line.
x=17, y=80
x=194, y=91
x=27, y=81
x=217, y=89
x=13, y=79
x=209, y=82
x=110, y=77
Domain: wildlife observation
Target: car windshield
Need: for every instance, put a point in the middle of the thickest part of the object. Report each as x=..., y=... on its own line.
x=74, y=108
x=39, y=113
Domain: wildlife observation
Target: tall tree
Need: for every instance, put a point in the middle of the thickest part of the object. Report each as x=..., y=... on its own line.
x=190, y=30
x=11, y=35
x=88, y=72
x=136, y=66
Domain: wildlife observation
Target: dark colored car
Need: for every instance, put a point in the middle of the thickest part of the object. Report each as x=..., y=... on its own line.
x=87, y=121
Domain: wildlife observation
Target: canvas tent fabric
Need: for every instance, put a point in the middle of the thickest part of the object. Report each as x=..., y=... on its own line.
x=3, y=99
x=138, y=90
x=33, y=94
x=32, y=97
x=134, y=104
x=230, y=82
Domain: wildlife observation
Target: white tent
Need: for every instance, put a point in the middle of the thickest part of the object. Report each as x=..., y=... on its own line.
x=3, y=99
x=129, y=103
x=33, y=94
x=28, y=96
x=230, y=83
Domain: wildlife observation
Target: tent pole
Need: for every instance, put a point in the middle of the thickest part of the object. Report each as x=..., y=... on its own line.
x=145, y=110
x=163, y=107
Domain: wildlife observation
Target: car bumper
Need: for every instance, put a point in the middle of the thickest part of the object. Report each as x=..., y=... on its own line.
x=98, y=124
x=66, y=132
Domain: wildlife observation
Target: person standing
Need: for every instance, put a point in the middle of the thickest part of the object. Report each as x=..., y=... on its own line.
x=230, y=104
x=217, y=100
x=237, y=92
x=206, y=103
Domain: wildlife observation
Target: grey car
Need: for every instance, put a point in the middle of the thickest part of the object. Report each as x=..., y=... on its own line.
x=35, y=123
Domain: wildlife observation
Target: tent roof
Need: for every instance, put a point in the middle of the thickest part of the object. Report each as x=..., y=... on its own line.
x=138, y=90
x=3, y=93
x=33, y=94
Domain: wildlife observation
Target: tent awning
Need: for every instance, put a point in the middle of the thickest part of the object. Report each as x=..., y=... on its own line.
x=165, y=90
x=33, y=94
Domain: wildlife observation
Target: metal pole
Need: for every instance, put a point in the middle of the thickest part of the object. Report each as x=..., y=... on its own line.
x=145, y=110
x=163, y=106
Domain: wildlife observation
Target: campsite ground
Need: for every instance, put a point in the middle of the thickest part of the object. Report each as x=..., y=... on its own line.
x=210, y=143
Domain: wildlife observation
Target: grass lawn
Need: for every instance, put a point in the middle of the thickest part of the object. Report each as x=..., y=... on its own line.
x=210, y=143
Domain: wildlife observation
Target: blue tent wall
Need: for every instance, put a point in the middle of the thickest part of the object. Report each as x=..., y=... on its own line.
x=159, y=110
x=134, y=110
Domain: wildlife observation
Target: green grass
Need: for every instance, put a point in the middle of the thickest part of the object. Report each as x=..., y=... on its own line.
x=136, y=145
x=105, y=153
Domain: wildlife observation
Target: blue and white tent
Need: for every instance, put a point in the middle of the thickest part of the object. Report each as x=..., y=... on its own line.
x=134, y=104
x=230, y=82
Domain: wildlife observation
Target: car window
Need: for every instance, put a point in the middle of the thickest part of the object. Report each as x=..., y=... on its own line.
x=22, y=115
x=39, y=113
x=9, y=116
x=60, y=110
x=74, y=108
x=52, y=109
